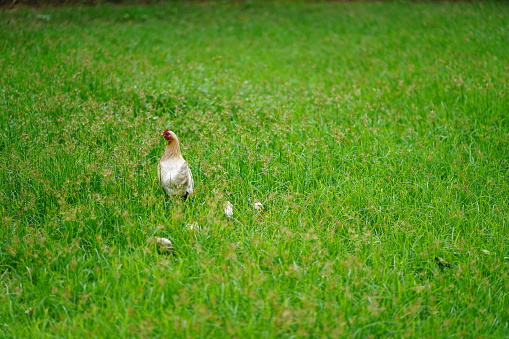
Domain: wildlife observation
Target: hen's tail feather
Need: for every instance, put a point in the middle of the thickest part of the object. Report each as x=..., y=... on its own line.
x=182, y=174
x=184, y=167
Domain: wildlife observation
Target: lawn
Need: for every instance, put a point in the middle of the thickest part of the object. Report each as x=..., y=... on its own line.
x=376, y=136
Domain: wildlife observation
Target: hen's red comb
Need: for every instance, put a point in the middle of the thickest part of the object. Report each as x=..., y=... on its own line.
x=166, y=134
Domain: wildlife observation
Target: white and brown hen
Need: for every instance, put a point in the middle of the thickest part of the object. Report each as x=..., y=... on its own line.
x=173, y=171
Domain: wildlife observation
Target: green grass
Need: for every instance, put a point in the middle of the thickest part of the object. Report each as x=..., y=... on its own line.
x=375, y=134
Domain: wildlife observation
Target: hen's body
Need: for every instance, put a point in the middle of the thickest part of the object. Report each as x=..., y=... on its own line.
x=173, y=171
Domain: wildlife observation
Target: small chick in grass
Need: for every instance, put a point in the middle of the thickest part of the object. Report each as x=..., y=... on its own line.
x=228, y=209
x=173, y=171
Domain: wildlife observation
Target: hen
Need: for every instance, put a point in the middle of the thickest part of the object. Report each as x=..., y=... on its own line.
x=173, y=171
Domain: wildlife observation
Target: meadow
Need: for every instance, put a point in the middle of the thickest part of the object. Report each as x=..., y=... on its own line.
x=375, y=134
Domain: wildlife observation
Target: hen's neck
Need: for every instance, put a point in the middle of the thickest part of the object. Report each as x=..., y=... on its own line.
x=172, y=150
